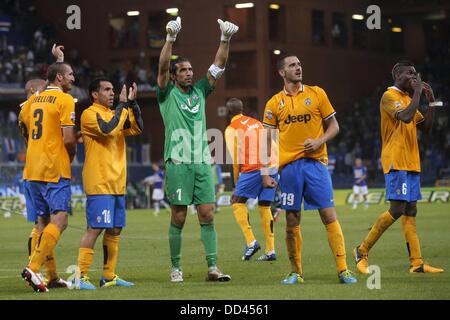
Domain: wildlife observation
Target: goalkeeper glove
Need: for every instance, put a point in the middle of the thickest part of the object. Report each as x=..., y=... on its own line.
x=172, y=28
x=227, y=29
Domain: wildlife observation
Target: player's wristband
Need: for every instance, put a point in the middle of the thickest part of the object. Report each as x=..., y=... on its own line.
x=170, y=38
x=224, y=38
x=216, y=71
x=436, y=104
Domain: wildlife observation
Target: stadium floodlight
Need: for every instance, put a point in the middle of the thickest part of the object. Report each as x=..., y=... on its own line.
x=244, y=5
x=133, y=13
x=357, y=17
x=276, y=52
x=440, y=15
x=396, y=29
x=172, y=11
x=274, y=6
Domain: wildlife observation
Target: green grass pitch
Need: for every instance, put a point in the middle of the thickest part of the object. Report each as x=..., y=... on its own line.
x=144, y=259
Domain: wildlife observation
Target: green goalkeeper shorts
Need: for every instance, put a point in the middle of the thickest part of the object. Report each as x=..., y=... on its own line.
x=189, y=183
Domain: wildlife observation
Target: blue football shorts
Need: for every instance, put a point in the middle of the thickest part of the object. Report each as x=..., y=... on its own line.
x=105, y=211
x=402, y=185
x=249, y=185
x=30, y=207
x=309, y=180
x=50, y=197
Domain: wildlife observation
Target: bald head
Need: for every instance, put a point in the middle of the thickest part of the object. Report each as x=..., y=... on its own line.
x=234, y=106
x=34, y=85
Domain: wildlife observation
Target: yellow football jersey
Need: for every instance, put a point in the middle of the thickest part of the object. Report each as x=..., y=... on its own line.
x=44, y=116
x=299, y=117
x=105, y=166
x=22, y=127
x=400, y=150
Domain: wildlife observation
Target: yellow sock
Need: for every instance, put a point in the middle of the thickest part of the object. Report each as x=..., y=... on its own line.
x=45, y=245
x=49, y=263
x=32, y=241
x=110, y=253
x=50, y=266
x=384, y=221
x=294, y=242
x=337, y=244
x=85, y=256
x=412, y=240
x=267, y=224
x=241, y=215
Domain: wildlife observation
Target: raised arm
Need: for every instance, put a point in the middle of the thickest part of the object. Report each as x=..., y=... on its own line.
x=218, y=67
x=407, y=114
x=134, y=124
x=92, y=123
x=427, y=124
x=58, y=53
x=172, y=28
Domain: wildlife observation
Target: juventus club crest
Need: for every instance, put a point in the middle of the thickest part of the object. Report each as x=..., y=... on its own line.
x=308, y=102
x=191, y=104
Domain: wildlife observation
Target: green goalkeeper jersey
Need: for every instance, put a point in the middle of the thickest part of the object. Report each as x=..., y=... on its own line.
x=185, y=122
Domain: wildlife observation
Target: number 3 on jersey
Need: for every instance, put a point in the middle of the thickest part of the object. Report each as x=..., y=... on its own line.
x=287, y=199
x=37, y=131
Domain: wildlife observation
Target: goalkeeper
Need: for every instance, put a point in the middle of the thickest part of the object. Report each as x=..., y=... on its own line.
x=186, y=153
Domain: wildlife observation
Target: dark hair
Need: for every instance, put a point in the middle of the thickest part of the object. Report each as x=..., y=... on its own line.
x=280, y=61
x=94, y=86
x=54, y=69
x=234, y=106
x=173, y=64
x=399, y=65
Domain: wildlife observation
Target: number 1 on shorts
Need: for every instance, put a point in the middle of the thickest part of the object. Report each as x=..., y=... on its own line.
x=106, y=216
x=179, y=194
x=287, y=198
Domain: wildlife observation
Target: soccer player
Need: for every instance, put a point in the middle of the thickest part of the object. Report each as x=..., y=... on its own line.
x=158, y=188
x=360, y=184
x=49, y=119
x=300, y=113
x=401, y=163
x=32, y=88
x=242, y=139
x=105, y=175
x=182, y=106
